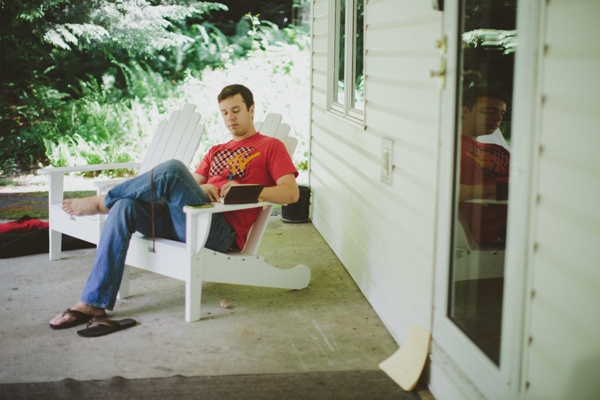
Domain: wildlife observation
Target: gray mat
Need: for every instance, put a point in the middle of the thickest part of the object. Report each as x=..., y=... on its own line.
x=347, y=385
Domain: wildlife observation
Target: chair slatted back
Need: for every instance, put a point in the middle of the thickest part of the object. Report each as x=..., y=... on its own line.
x=175, y=138
x=272, y=126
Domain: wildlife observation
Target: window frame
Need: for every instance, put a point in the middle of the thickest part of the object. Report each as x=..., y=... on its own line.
x=346, y=109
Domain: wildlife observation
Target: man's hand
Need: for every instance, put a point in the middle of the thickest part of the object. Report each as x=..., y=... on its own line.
x=225, y=187
x=211, y=191
x=285, y=192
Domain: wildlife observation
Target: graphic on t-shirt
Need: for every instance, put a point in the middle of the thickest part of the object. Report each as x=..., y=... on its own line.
x=491, y=163
x=228, y=162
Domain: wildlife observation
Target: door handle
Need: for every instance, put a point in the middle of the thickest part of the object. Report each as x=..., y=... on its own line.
x=440, y=73
x=441, y=44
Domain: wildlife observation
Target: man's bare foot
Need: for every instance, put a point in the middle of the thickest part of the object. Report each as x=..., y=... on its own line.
x=85, y=206
x=83, y=308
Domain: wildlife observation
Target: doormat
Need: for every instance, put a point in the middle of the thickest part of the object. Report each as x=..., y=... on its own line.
x=342, y=385
x=34, y=204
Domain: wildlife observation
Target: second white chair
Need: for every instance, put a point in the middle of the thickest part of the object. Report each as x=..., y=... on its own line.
x=175, y=138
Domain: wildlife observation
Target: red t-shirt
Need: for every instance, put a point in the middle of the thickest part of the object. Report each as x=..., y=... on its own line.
x=258, y=159
x=484, y=164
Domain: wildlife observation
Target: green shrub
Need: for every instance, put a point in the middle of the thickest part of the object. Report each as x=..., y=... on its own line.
x=21, y=143
x=111, y=119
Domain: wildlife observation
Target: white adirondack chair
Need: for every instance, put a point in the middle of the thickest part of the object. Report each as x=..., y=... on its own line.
x=175, y=138
x=192, y=263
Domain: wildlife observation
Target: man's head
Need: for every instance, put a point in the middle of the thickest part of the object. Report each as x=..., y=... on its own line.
x=237, y=108
x=232, y=90
x=482, y=111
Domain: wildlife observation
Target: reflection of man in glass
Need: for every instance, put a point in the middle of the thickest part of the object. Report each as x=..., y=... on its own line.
x=484, y=167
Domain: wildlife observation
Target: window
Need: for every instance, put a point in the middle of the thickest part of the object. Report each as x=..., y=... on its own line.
x=347, y=72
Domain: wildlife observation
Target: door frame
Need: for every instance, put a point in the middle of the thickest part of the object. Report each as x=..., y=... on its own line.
x=482, y=374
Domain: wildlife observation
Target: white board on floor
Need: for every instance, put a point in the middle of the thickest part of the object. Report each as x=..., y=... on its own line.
x=406, y=364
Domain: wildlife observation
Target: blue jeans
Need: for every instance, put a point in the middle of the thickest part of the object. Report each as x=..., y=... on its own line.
x=130, y=211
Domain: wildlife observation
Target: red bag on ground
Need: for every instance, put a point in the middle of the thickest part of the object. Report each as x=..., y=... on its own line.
x=27, y=236
x=24, y=224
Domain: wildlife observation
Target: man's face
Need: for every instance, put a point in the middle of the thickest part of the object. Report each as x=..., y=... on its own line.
x=484, y=117
x=237, y=117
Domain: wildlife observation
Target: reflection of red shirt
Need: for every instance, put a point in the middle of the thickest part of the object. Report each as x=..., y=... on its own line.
x=258, y=159
x=482, y=163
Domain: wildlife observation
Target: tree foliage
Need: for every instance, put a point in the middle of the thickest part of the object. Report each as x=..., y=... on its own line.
x=33, y=33
x=136, y=26
x=72, y=70
x=48, y=46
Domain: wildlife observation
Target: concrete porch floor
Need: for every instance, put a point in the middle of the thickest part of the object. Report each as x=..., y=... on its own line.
x=328, y=326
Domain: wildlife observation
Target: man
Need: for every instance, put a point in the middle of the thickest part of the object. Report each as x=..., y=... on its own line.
x=484, y=167
x=163, y=192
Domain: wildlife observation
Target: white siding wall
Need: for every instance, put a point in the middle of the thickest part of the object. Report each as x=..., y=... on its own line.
x=383, y=234
x=564, y=314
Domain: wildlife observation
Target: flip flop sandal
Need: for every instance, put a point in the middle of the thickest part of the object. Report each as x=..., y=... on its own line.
x=80, y=318
x=104, y=326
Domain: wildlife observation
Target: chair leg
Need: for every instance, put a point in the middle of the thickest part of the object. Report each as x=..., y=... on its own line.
x=55, y=245
x=193, y=297
x=124, y=288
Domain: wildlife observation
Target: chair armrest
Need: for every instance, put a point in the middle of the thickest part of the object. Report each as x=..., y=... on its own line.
x=219, y=208
x=198, y=222
x=81, y=168
x=56, y=176
x=104, y=186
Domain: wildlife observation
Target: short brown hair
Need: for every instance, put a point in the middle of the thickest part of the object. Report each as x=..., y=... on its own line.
x=470, y=95
x=232, y=90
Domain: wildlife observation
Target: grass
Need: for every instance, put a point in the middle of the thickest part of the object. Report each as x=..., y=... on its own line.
x=7, y=182
x=34, y=204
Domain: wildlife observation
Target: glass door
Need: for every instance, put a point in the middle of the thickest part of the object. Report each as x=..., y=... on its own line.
x=486, y=59
x=486, y=117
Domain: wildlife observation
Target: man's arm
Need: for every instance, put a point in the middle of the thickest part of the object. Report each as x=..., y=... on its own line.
x=285, y=192
x=211, y=191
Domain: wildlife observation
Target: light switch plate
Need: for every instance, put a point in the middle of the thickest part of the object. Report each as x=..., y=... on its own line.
x=387, y=160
